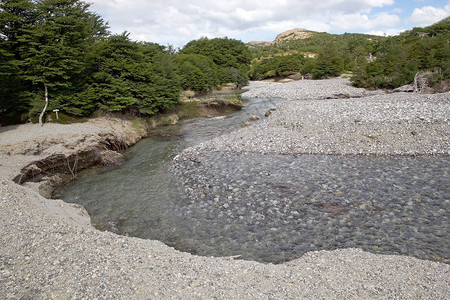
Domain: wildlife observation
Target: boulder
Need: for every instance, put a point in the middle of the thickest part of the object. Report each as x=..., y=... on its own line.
x=49, y=185
x=111, y=158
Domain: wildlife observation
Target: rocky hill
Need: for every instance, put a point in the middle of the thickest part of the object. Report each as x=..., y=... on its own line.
x=292, y=34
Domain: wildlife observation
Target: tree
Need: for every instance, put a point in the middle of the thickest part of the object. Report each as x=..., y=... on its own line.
x=197, y=72
x=277, y=66
x=232, y=57
x=14, y=15
x=49, y=41
x=328, y=63
x=127, y=76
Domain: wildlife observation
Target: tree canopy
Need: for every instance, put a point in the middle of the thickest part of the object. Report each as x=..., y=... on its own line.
x=44, y=44
x=373, y=61
x=399, y=58
x=232, y=57
x=61, y=48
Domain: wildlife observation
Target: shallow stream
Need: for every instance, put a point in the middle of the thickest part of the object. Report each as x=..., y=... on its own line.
x=269, y=208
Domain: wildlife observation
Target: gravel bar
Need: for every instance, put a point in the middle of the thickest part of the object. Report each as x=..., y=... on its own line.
x=382, y=124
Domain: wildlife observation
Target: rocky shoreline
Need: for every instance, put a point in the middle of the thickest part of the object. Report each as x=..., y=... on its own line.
x=365, y=122
x=325, y=173
x=49, y=250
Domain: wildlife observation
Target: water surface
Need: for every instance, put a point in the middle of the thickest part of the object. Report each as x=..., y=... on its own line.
x=269, y=208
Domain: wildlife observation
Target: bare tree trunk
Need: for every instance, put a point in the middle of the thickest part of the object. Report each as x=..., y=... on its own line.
x=416, y=89
x=45, y=107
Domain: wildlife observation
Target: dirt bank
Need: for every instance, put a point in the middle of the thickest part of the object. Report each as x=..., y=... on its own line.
x=54, y=153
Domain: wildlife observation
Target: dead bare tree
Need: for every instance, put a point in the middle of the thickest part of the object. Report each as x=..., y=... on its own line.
x=415, y=82
x=45, y=107
x=73, y=169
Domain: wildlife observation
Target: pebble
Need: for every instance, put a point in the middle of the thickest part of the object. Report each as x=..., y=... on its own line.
x=370, y=162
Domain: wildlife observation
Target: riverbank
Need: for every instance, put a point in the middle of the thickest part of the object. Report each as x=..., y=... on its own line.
x=50, y=155
x=49, y=250
x=360, y=123
x=366, y=171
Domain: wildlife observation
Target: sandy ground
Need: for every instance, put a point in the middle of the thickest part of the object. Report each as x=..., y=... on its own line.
x=48, y=250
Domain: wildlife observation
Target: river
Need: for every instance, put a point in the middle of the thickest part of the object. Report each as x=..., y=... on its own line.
x=392, y=205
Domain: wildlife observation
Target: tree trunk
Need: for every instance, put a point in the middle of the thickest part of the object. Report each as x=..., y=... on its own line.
x=45, y=107
x=416, y=89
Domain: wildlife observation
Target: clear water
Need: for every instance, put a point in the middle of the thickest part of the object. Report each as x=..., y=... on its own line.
x=135, y=198
x=269, y=208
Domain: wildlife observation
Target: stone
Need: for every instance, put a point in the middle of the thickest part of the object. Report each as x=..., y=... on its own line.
x=49, y=185
x=269, y=111
x=173, y=119
x=111, y=158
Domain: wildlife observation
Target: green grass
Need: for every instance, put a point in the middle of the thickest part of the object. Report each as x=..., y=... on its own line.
x=188, y=110
x=62, y=119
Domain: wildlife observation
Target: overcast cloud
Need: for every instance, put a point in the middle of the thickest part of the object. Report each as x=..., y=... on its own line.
x=177, y=22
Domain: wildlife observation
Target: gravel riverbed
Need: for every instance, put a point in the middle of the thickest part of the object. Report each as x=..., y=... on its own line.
x=48, y=250
x=382, y=124
x=369, y=172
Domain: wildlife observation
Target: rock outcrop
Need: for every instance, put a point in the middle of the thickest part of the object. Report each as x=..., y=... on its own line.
x=291, y=34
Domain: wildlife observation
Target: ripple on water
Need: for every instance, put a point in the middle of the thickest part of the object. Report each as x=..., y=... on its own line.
x=274, y=208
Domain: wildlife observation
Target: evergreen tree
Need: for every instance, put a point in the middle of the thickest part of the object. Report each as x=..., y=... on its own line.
x=49, y=45
x=197, y=72
x=131, y=77
x=14, y=15
x=328, y=63
x=231, y=56
x=53, y=49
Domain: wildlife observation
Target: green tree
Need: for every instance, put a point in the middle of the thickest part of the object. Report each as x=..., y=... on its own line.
x=197, y=72
x=231, y=56
x=277, y=66
x=328, y=63
x=14, y=15
x=49, y=48
x=399, y=58
x=127, y=76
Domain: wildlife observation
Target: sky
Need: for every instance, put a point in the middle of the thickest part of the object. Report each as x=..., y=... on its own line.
x=176, y=22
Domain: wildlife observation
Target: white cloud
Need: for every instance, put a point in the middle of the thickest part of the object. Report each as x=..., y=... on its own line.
x=179, y=21
x=364, y=22
x=387, y=32
x=428, y=15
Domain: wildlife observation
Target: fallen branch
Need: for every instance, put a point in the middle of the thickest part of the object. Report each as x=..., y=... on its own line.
x=74, y=168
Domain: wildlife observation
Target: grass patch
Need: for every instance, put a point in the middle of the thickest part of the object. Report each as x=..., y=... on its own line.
x=188, y=110
x=140, y=125
x=62, y=119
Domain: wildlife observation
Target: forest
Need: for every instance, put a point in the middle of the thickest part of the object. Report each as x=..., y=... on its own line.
x=372, y=61
x=60, y=52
